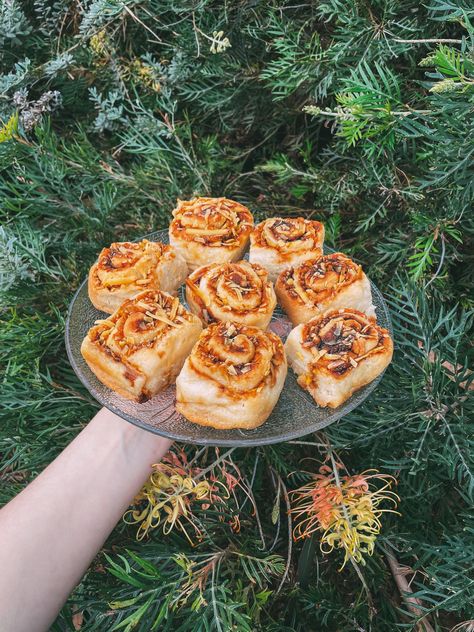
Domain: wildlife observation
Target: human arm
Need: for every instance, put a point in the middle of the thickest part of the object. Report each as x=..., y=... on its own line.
x=52, y=530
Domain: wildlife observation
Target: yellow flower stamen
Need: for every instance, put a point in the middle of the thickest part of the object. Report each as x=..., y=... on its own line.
x=345, y=509
x=167, y=498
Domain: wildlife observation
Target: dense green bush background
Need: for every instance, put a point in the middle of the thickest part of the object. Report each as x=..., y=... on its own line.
x=357, y=113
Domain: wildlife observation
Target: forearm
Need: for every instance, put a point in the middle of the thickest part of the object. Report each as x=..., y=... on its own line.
x=50, y=532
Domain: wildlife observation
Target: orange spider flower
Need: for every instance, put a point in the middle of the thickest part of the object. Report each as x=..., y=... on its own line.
x=345, y=508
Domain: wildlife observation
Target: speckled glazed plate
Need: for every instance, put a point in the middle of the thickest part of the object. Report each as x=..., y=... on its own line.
x=295, y=414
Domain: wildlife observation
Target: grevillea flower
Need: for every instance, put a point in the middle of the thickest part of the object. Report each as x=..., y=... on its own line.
x=167, y=498
x=198, y=571
x=344, y=508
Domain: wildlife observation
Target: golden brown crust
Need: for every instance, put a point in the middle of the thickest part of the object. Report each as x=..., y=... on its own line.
x=210, y=230
x=140, y=349
x=280, y=242
x=234, y=292
x=233, y=377
x=204, y=416
x=341, y=339
x=337, y=353
x=240, y=359
x=115, y=373
x=126, y=268
x=289, y=236
x=327, y=282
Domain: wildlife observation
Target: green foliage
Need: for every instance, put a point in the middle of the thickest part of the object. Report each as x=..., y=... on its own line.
x=359, y=114
x=9, y=128
x=13, y=23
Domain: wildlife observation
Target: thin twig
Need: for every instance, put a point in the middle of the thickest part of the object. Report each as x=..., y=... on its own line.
x=196, y=35
x=443, y=252
x=412, y=603
x=137, y=19
x=290, y=529
x=427, y=41
x=277, y=487
x=464, y=626
x=214, y=464
x=61, y=28
x=198, y=454
x=257, y=518
x=252, y=479
x=318, y=445
x=249, y=494
x=214, y=604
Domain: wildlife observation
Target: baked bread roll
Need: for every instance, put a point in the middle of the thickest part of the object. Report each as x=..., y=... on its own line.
x=279, y=243
x=125, y=269
x=331, y=281
x=337, y=353
x=233, y=377
x=140, y=349
x=231, y=292
x=210, y=230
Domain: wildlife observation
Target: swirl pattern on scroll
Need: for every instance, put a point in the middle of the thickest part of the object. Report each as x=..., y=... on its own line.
x=328, y=282
x=214, y=222
x=290, y=235
x=235, y=292
x=126, y=263
x=141, y=348
x=238, y=358
x=316, y=280
x=139, y=322
x=342, y=339
x=124, y=269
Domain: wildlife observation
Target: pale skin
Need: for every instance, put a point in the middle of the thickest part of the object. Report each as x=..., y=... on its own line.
x=51, y=531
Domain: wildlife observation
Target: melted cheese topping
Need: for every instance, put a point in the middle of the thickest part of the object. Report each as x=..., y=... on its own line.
x=239, y=359
x=341, y=339
x=129, y=263
x=215, y=222
x=316, y=280
x=139, y=322
x=237, y=288
x=289, y=235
